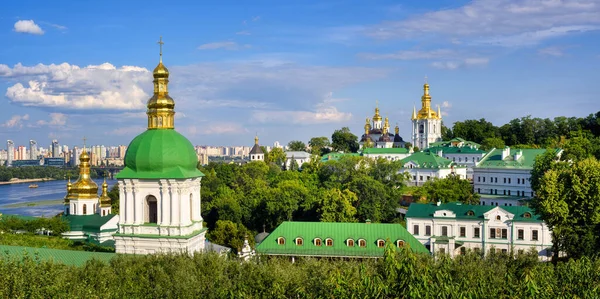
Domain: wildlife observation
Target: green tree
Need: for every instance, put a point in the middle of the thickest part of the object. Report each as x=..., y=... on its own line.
x=319, y=145
x=113, y=193
x=374, y=201
x=344, y=141
x=296, y=146
x=568, y=200
x=450, y=189
x=230, y=234
x=275, y=156
x=492, y=142
x=337, y=206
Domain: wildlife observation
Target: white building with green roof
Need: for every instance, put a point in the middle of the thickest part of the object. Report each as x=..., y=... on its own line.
x=459, y=151
x=502, y=176
x=454, y=228
x=425, y=166
x=336, y=239
x=159, y=188
x=392, y=154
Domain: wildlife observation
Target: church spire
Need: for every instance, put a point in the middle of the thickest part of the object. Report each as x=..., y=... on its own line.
x=414, y=114
x=256, y=139
x=161, y=106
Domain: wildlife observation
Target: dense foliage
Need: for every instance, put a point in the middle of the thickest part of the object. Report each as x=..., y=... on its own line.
x=35, y=172
x=11, y=224
x=398, y=275
x=449, y=189
x=531, y=132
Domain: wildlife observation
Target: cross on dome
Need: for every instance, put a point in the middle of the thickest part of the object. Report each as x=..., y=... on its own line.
x=160, y=44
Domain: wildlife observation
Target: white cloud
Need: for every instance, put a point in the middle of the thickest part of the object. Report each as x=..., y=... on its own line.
x=243, y=32
x=28, y=26
x=446, y=104
x=70, y=87
x=227, y=45
x=551, y=51
x=503, y=22
x=126, y=131
x=56, y=119
x=411, y=55
x=463, y=63
x=216, y=128
x=16, y=121
x=256, y=18
x=325, y=112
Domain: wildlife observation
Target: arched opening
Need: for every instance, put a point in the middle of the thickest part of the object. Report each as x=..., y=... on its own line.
x=84, y=209
x=317, y=242
x=151, y=211
x=104, y=213
x=421, y=129
x=160, y=121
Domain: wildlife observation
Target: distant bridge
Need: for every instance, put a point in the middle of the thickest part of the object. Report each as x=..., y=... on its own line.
x=111, y=170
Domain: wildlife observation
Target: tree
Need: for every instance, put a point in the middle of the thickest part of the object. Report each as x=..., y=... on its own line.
x=337, y=206
x=114, y=198
x=275, y=156
x=296, y=146
x=230, y=234
x=374, y=202
x=344, y=141
x=492, y=142
x=568, y=201
x=318, y=145
x=450, y=189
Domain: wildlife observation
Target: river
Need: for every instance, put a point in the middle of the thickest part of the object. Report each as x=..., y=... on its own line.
x=47, y=191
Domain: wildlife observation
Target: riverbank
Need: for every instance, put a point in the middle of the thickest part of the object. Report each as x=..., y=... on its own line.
x=22, y=181
x=38, y=203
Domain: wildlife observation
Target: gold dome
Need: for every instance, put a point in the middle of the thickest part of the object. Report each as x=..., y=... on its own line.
x=104, y=199
x=161, y=106
x=426, y=112
x=377, y=116
x=84, y=187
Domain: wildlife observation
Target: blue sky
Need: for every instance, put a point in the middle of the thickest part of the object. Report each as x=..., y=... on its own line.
x=289, y=71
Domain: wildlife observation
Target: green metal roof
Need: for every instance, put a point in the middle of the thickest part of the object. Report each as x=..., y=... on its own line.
x=419, y=210
x=454, y=150
x=393, y=150
x=87, y=223
x=494, y=159
x=334, y=156
x=339, y=232
x=67, y=257
x=428, y=160
x=160, y=154
x=449, y=143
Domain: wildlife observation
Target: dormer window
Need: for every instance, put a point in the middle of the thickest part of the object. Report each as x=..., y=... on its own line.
x=400, y=243
x=380, y=243
x=299, y=241
x=498, y=218
x=362, y=243
x=470, y=213
x=317, y=242
x=329, y=242
x=281, y=241
x=527, y=215
x=350, y=243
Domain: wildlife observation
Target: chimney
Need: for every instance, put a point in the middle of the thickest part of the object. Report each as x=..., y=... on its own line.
x=440, y=153
x=368, y=221
x=505, y=152
x=438, y=203
x=518, y=155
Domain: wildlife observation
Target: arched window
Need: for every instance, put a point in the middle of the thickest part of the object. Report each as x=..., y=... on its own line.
x=84, y=209
x=470, y=213
x=281, y=241
x=362, y=243
x=317, y=242
x=299, y=241
x=400, y=243
x=104, y=213
x=380, y=243
x=329, y=242
x=94, y=210
x=160, y=121
x=527, y=215
x=350, y=243
x=151, y=210
x=421, y=129
x=498, y=217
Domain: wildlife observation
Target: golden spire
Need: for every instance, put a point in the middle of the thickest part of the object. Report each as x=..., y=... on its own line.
x=376, y=117
x=426, y=111
x=367, y=126
x=104, y=199
x=256, y=139
x=387, y=123
x=84, y=187
x=414, y=115
x=439, y=112
x=161, y=106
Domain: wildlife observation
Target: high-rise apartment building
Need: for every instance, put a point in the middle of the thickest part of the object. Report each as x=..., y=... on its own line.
x=33, y=151
x=10, y=149
x=21, y=153
x=56, y=150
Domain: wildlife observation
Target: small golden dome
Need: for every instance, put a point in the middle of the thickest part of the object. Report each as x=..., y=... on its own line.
x=84, y=187
x=160, y=71
x=104, y=199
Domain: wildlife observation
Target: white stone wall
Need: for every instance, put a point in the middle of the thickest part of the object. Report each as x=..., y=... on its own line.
x=76, y=206
x=390, y=157
x=484, y=242
x=145, y=245
x=432, y=132
x=502, y=181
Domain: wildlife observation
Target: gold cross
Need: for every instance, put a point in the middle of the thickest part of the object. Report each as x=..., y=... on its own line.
x=425, y=79
x=160, y=43
x=84, y=139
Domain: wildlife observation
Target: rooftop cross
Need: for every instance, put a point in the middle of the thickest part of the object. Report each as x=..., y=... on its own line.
x=160, y=43
x=84, y=139
x=425, y=79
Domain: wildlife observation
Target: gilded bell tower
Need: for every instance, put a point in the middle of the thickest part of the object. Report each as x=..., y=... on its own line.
x=161, y=106
x=427, y=123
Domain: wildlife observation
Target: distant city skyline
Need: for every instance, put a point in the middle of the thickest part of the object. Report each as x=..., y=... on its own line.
x=289, y=71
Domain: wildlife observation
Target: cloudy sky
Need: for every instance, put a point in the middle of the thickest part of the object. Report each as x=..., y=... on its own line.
x=289, y=69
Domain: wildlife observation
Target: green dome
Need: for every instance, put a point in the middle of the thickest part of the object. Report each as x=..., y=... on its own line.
x=160, y=154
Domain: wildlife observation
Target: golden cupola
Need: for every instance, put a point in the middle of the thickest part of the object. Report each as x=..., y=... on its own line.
x=367, y=126
x=161, y=107
x=426, y=112
x=84, y=187
x=377, y=116
x=104, y=199
x=69, y=185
